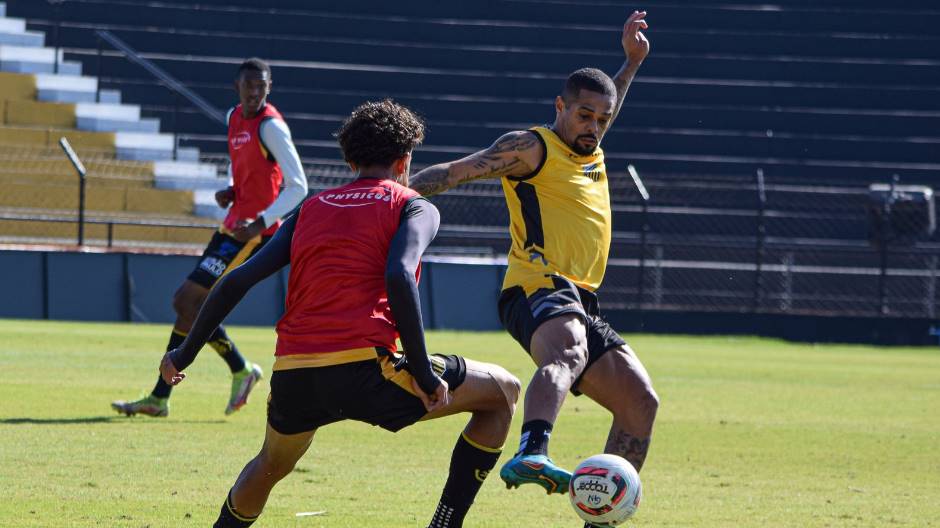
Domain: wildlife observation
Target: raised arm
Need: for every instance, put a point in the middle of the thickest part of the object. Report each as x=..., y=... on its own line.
x=514, y=154
x=636, y=48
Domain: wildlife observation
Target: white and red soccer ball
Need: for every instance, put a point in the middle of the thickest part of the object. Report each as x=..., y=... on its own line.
x=605, y=490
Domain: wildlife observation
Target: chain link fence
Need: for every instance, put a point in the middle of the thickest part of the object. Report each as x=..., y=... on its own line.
x=41, y=203
x=737, y=244
x=701, y=243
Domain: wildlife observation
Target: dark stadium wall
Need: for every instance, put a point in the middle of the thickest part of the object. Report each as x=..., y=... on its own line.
x=139, y=288
x=454, y=296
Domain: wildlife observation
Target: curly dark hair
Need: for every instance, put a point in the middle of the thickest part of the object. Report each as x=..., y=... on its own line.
x=379, y=132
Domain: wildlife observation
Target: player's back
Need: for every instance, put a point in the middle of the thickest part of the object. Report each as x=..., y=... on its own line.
x=336, y=298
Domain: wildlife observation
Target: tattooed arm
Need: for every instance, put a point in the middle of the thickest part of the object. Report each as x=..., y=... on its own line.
x=636, y=48
x=514, y=154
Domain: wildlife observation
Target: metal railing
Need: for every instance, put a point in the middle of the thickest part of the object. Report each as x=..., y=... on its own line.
x=171, y=83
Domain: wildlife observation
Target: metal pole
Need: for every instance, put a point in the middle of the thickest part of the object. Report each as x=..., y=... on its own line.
x=885, y=240
x=98, y=91
x=761, y=236
x=110, y=234
x=176, y=104
x=80, y=170
x=644, y=219
x=641, y=283
x=81, y=210
x=57, y=10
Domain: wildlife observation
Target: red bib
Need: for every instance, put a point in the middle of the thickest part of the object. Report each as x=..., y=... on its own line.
x=257, y=177
x=336, y=297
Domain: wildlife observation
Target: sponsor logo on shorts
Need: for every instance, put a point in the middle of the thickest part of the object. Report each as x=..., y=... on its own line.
x=214, y=266
x=357, y=197
x=228, y=249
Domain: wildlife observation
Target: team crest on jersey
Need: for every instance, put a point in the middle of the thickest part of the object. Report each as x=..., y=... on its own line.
x=592, y=170
x=240, y=140
x=358, y=197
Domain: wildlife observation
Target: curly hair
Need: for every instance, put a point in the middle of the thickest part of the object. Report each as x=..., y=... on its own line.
x=378, y=133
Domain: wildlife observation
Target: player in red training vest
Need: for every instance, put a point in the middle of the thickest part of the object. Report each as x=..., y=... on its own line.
x=354, y=254
x=267, y=182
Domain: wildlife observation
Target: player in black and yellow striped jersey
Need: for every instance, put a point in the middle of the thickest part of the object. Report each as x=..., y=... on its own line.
x=555, y=183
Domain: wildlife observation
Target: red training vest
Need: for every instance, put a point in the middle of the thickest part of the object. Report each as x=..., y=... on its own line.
x=336, y=297
x=257, y=179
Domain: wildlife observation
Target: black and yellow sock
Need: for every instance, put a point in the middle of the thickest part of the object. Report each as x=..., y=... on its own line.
x=226, y=348
x=162, y=389
x=229, y=518
x=535, y=436
x=469, y=466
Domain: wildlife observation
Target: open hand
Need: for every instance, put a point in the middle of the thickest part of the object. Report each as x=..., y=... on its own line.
x=634, y=42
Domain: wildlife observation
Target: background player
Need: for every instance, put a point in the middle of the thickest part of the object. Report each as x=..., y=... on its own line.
x=555, y=184
x=354, y=254
x=267, y=182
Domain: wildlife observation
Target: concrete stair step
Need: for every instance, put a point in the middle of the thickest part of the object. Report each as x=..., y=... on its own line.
x=66, y=88
x=28, y=39
x=12, y=25
x=143, y=146
x=204, y=204
x=187, y=175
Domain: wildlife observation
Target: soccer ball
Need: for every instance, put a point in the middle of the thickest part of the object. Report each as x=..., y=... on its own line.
x=605, y=490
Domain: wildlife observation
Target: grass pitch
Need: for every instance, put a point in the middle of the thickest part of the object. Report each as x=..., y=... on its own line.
x=751, y=432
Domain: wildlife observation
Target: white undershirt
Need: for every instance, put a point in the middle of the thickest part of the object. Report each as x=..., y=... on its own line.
x=276, y=137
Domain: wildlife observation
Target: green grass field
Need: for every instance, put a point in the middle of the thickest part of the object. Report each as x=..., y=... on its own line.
x=751, y=432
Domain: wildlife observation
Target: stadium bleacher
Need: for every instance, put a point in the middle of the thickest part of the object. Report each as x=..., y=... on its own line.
x=824, y=97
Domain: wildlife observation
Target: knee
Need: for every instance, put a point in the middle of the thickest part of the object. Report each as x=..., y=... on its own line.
x=509, y=387
x=641, y=405
x=649, y=402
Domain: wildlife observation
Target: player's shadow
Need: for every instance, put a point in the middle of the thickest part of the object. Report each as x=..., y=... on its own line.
x=58, y=421
x=88, y=420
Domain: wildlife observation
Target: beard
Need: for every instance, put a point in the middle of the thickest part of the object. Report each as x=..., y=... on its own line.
x=584, y=151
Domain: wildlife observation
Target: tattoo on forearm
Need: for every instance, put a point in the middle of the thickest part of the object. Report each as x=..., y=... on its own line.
x=430, y=181
x=622, y=80
x=632, y=448
x=499, y=160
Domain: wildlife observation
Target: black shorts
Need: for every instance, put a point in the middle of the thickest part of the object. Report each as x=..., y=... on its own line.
x=223, y=253
x=522, y=315
x=376, y=391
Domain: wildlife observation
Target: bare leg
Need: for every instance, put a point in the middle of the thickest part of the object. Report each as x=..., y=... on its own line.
x=187, y=301
x=276, y=460
x=559, y=349
x=489, y=393
x=619, y=382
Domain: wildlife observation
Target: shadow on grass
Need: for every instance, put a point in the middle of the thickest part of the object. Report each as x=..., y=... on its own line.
x=96, y=419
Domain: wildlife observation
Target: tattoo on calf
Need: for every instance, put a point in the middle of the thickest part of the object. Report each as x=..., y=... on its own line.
x=622, y=443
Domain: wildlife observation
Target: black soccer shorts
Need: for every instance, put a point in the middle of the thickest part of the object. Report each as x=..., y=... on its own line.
x=376, y=391
x=223, y=253
x=522, y=315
